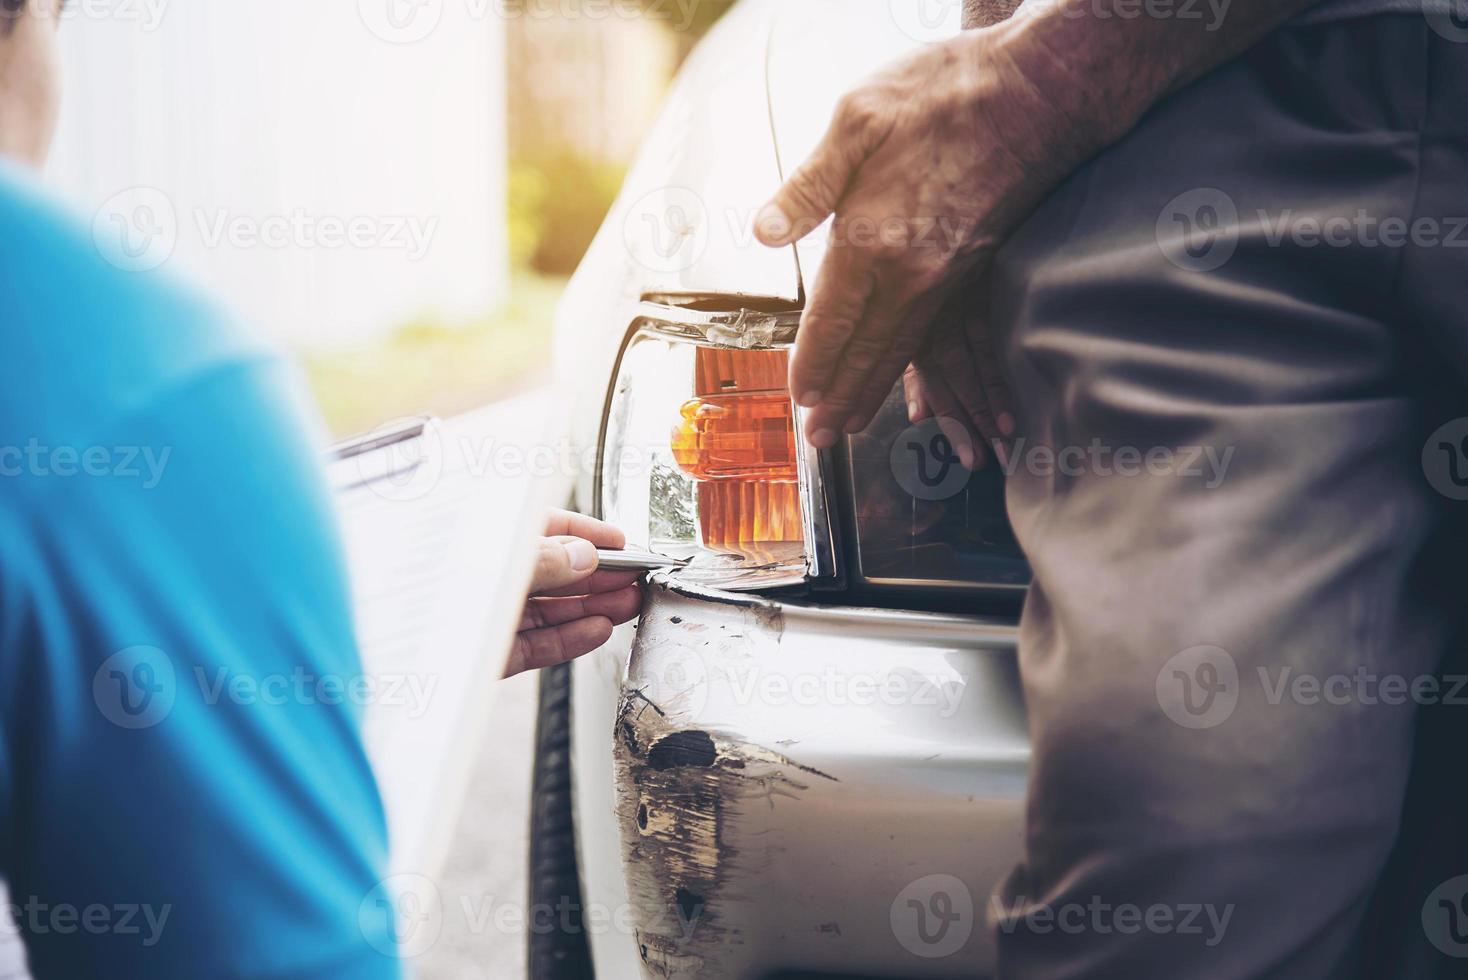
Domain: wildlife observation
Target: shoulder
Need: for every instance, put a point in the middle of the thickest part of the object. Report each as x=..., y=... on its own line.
x=84, y=339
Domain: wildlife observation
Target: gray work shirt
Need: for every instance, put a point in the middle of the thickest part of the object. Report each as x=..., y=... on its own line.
x=1446, y=14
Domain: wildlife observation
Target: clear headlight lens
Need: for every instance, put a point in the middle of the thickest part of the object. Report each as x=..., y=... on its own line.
x=700, y=455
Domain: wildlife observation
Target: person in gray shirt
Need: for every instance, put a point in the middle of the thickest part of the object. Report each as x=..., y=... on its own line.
x=1138, y=227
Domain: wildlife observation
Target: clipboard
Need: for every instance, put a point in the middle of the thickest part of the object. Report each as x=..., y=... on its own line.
x=441, y=528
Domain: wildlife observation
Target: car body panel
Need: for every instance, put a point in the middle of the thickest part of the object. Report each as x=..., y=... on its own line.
x=683, y=223
x=789, y=775
x=807, y=81
x=713, y=139
x=722, y=830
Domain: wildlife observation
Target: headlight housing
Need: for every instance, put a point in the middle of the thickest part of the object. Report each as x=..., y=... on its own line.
x=701, y=453
x=702, y=458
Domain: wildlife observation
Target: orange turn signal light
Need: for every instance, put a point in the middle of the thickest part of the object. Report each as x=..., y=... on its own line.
x=736, y=437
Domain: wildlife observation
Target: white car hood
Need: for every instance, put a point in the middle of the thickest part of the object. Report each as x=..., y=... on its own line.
x=819, y=50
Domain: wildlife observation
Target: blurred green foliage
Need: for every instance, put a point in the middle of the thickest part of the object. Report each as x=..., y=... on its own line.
x=705, y=12
x=433, y=366
x=557, y=203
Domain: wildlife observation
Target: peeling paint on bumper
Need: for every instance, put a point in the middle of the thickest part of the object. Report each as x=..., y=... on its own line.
x=783, y=773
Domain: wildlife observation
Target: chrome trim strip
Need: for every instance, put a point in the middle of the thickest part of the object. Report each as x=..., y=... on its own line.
x=928, y=627
x=815, y=513
x=956, y=585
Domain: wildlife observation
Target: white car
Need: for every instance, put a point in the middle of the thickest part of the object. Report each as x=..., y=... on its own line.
x=809, y=758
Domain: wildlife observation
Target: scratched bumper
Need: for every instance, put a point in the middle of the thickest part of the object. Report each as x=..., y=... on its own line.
x=815, y=789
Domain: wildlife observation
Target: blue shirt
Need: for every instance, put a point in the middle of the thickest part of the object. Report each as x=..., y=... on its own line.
x=183, y=787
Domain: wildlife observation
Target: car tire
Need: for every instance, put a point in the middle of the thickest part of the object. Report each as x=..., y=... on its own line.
x=557, y=947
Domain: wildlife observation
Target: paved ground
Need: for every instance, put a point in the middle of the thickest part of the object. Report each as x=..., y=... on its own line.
x=487, y=869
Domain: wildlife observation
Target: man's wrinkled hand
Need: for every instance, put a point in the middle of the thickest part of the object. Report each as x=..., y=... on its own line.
x=573, y=606
x=927, y=168
x=957, y=374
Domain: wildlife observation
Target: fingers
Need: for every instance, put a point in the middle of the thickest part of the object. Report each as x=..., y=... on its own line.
x=913, y=326
x=554, y=631
x=561, y=562
x=539, y=648
x=993, y=381
x=600, y=581
x=810, y=195
x=961, y=376
x=925, y=384
x=563, y=523
x=915, y=393
x=620, y=606
x=832, y=312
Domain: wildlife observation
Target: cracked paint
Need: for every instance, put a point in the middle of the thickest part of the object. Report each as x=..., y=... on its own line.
x=681, y=789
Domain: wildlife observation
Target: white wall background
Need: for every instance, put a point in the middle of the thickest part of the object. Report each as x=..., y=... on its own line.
x=332, y=168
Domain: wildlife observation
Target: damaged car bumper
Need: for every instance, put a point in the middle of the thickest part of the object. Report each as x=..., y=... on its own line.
x=808, y=789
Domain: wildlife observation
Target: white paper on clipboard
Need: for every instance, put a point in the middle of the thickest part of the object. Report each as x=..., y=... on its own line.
x=441, y=521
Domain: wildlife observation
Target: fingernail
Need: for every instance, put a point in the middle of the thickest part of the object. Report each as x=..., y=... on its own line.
x=772, y=224
x=823, y=438
x=1006, y=425
x=912, y=411
x=965, y=456
x=582, y=555
x=809, y=399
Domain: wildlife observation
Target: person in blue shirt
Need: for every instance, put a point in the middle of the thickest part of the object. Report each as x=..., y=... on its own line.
x=163, y=522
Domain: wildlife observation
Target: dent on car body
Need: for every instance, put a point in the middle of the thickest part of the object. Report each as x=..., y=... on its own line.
x=684, y=786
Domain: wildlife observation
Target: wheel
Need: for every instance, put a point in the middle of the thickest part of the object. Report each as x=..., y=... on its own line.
x=557, y=945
